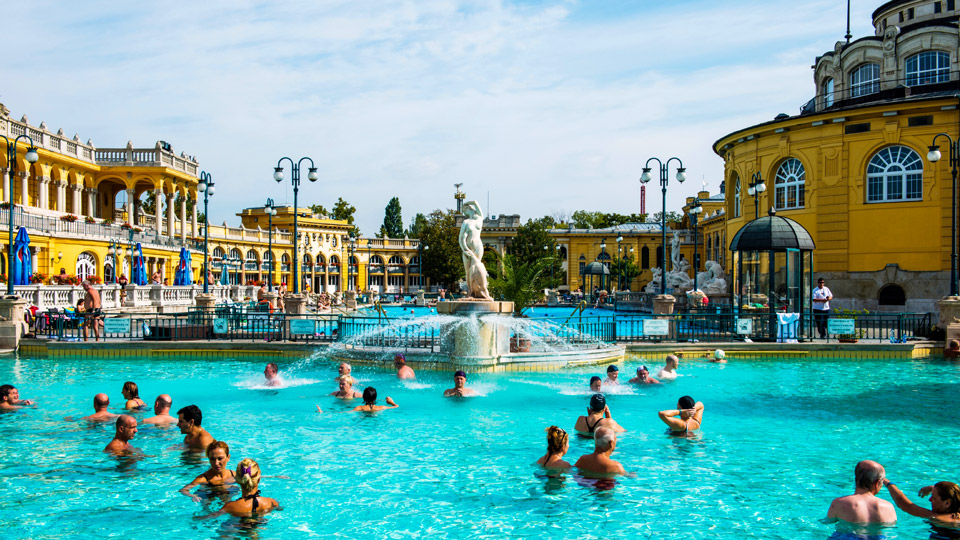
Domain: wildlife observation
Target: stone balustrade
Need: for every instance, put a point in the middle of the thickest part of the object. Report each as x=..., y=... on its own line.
x=137, y=296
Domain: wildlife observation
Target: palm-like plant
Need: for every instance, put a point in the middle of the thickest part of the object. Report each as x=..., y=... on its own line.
x=518, y=282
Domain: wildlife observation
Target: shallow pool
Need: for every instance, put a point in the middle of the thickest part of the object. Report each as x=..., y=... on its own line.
x=779, y=441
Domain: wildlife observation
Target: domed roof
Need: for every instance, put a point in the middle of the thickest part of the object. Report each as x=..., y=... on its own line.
x=596, y=269
x=772, y=233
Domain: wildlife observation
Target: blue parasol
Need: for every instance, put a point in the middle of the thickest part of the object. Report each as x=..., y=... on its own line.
x=139, y=276
x=188, y=269
x=23, y=265
x=178, y=275
x=224, y=274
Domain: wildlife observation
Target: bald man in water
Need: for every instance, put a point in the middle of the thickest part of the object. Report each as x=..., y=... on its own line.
x=864, y=506
x=100, y=414
x=161, y=408
x=126, y=431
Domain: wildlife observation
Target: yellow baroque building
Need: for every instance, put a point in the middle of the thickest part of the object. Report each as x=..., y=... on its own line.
x=852, y=166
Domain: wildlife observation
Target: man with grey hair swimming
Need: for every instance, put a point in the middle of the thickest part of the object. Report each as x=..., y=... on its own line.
x=126, y=430
x=344, y=370
x=598, y=464
x=100, y=412
x=161, y=408
x=864, y=506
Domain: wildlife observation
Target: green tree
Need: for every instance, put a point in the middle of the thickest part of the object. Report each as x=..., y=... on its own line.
x=625, y=269
x=441, y=261
x=528, y=246
x=583, y=219
x=417, y=225
x=392, y=221
x=519, y=282
x=672, y=217
x=383, y=233
x=149, y=204
x=319, y=210
x=345, y=211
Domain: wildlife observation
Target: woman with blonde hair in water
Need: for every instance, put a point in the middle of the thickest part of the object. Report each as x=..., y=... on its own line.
x=218, y=452
x=251, y=503
x=558, y=442
x=944, y=501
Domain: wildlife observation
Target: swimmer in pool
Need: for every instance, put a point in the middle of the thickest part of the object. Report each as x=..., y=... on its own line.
x=598, y=415
x=346, y=390
x=403, y=370
x=370, y=402
x=101, y=414
x=669, y=371
x=343, y=370
x=598, y=464
x=643, y=377
x=132, y=394
x=10, y=398
x=686, y=418
x=864, y=506
x=161, y=408
x=558, y=443
x=272, y=375
x=126, y=430
x=250, y=503
x=595, y=383
x=188, y=420
x=944, y=501
x=459, y=387
x=719, y=357
x=218, y=452
x=612, y=373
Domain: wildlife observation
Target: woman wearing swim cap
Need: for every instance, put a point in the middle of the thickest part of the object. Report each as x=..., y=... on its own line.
x=598, y=415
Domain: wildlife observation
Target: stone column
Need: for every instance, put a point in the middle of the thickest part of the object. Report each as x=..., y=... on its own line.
x=76, y=197
x=183, y=219
x=158, y=210
x=271, y=298
x=663, y=304
x=24, y=189
x=62, y=196
x=43, y=191
x=131, y=193
x=171, y=231
x=91, y=202
x=195, y=217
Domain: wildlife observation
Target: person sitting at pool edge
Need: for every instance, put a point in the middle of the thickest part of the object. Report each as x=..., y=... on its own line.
x=595, y=383
x=161, y=408
x=944, y=501
x=346, y=390
x=643, y=377
x=272, y=374
x=558, y=443
x=188, y=420
x=218, y=452
x=459, y=386
x=685, y=418
x=598, y=463
x=10, y=398
x=126, y=430
x=598, y=416
x=132, y=394
x=403, y=370
x=100, y=414
x=250, y=502
x=864, y=506
x=669, y=371
x=612, y=373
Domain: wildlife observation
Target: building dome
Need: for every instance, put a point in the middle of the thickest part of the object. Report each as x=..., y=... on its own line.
x=772, y=233
x=596, y=269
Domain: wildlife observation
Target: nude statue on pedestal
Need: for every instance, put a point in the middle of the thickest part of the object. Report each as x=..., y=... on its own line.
x=471, y=247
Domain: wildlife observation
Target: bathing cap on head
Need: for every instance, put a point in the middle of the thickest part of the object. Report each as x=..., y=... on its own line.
x=612, y=369
x=400, y=356
x=460, y=374
x=718, y=354
x=598, y=402
x=642, y=368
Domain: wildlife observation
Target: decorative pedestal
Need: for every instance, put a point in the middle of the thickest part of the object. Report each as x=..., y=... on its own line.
x=695, y=298
x=295, y=304
x=663, y=304
x=13, y=326
x=206, y=301
x=420, y=300
x=475, y=340
x=350, y=299
x=271, y=298
x=949, y=311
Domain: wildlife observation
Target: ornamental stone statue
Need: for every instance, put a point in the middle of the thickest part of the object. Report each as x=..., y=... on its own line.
x=471, y=247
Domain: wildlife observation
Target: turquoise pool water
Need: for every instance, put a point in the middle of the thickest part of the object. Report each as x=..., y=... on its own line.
x=552, y=312
x=779, y=441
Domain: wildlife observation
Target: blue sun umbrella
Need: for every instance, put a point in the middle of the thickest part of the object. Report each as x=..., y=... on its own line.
x=224, y=275
x=22, y=263
x=178, y=276
x=188, y=269
x=139, y=276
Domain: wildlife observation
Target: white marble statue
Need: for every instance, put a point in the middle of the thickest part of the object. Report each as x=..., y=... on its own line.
x=675, y=251
x=654, y=286
x=471, y=247
x=711, y=280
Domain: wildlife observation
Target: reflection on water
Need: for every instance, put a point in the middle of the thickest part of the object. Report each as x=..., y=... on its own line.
x=845, y=530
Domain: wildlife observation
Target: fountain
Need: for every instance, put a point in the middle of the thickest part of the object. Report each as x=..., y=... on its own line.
x=477, y=332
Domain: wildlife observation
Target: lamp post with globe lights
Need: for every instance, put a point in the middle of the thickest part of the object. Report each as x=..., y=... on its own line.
x=31, y=156
x=695, y=209
x=664, y=180
x=934, y=156
x=295, y=180
x=271, y=211
x=206, y=187
x=757, y=186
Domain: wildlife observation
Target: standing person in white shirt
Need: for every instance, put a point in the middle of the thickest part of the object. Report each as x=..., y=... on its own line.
x=821, y=307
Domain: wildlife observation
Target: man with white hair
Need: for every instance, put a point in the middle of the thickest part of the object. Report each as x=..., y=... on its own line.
x=598, y=463
x=864, y=506
x=344, y=371
x=91, y=311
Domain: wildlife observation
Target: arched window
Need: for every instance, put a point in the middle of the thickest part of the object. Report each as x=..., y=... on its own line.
x=334, y=261
x=284, y=262
x=789, y=185
x=645, y=258
x=219, y=253
x=928, y=67
x=892, y=295
x=108, y=276
x=736, y=200
x=396, y=260
x=86, y=265
x=267, y=256
x=252, y=255
x=563, y=253
x=235, y=254
x=828, y=93
x=660, y=257
x=865, y=80
x=321, y=262
x=895, y=173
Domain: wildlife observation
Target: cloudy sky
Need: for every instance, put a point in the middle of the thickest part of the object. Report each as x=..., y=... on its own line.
x=539, y=106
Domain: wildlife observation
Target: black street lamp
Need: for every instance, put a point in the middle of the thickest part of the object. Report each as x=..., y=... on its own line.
x=353, y=247
x=114, y=249
x=603, y=251
x=681, y=176
x=271, y=211
x=695, y=210
x=295, y=180
x=934, y=156
x=420, y=258
x=757, y=186
x=619, y=262
x=206, y=187
x=31, y=156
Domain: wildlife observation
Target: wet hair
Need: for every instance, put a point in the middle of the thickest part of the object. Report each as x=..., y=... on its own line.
x=612, y=369
x=594, y=379
x=686, y=402
x=603, y=438
x=274, y=366
x=6, y=389
x=867, y=474
x=399, y=357
x=556, y=439
x=954, y=345
x=598, y=402
x=192, y=412
x=369, y=395
x=101, y=403
x=248, y=480
x=217, y=444
x=950, y=492
x=131, y=387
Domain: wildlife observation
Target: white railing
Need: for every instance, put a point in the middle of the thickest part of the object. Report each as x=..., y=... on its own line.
x=61, y=296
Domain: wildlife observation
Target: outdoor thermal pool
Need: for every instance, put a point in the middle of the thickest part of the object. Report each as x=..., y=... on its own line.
x=779, y=441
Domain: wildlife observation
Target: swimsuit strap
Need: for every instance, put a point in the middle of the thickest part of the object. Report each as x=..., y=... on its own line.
x=594, y=426
x=253, y=499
